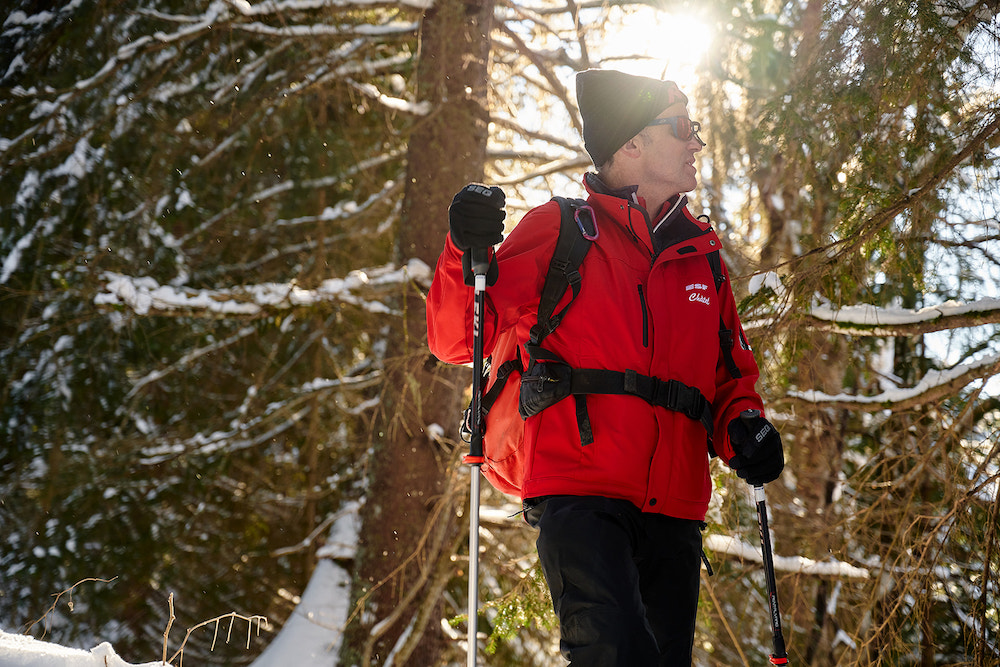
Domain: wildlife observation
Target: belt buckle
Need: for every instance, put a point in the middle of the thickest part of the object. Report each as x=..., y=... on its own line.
x=668, y=390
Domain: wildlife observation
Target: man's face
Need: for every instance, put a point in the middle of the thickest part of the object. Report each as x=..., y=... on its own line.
x=668, y=161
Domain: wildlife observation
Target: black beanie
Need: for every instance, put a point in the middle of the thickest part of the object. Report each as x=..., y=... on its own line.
x=616, y=106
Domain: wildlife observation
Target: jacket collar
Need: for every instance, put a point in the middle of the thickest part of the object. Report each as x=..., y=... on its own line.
x=630, y=193
x=595, y=184
x=674, y=224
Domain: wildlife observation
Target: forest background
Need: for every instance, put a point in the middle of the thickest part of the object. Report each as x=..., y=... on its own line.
x=217, y=223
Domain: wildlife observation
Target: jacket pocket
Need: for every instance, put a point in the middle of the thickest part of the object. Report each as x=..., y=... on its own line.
x=645, y=316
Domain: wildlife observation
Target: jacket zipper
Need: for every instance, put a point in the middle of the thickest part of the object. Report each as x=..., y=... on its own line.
x=645, y=317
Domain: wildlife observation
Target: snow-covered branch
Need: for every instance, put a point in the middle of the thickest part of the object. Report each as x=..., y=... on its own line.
x=934, y=386
x=186, y=360
x=363, y=287
x=270, y=7
x=396, y=103
x=867, y=320
x=732, y=546
x=509, y=515
x=277, y=418
x=309, y=184
x=320, y=30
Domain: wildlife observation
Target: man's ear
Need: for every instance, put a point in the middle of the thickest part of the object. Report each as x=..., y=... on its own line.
x=632, y=147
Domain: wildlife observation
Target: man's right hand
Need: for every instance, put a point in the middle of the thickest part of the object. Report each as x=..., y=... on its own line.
x=476, y=217
x=758, y=457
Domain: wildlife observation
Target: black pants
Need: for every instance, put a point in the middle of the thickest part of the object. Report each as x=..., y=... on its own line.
x=624, y=583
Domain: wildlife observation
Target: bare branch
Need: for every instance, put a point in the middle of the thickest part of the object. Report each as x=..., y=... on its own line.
x=69, y=592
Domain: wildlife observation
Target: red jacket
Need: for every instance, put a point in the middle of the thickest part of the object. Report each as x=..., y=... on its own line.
x=657, y=314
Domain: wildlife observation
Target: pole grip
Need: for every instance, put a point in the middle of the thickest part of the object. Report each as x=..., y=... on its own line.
x=479, y=260
x=476, y=441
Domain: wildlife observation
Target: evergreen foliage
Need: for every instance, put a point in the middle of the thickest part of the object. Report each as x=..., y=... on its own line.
x=180, y=430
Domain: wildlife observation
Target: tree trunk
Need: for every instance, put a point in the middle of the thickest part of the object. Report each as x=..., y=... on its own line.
x=410, y=523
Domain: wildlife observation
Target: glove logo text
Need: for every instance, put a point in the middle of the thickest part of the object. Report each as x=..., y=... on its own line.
x=479, y=189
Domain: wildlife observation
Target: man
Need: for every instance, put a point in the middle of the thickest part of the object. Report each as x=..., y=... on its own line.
x=618, y=483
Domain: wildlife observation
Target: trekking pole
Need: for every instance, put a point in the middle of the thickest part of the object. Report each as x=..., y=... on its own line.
x=779, y=657
x=475, y=457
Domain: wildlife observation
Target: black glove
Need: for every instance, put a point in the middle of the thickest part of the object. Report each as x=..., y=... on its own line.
x=476, y=217
x=758, y=457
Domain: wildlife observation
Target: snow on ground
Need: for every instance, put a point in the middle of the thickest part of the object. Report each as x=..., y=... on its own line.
x=25, y=651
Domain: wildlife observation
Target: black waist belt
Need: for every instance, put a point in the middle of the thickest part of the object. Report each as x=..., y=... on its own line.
x=670, y=394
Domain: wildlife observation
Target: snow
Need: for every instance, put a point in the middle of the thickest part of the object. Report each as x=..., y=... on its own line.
x=417, y=108
x=144, y=294
x=931, y=380
x=81, y=162
x=767, y=279
x=312, y=636
x=320, y=30
x=274, y=7
x=868, y=315
x=18, y=17
x=42, y=228
x=737, y=548
x=25, y=651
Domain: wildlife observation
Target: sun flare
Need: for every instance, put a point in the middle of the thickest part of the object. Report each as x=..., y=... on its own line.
x=654, y=43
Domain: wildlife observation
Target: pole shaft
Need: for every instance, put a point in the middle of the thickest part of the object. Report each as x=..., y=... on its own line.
x=779, y=657
x=473, y=565
x=475, y=457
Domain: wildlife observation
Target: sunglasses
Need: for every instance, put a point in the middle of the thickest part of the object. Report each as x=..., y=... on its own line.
x=683, y=127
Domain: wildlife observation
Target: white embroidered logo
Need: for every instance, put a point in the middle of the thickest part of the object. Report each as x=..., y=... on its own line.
x=695, y=295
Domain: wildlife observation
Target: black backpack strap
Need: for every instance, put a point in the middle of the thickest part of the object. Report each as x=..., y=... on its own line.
x=671, y=394
x=551, y=381
x=490, y=397
x=503, y=373
x=715, y=262
x=577, y=231
x=725, y=335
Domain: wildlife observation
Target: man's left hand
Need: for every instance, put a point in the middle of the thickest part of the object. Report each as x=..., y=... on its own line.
x=758, y=457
